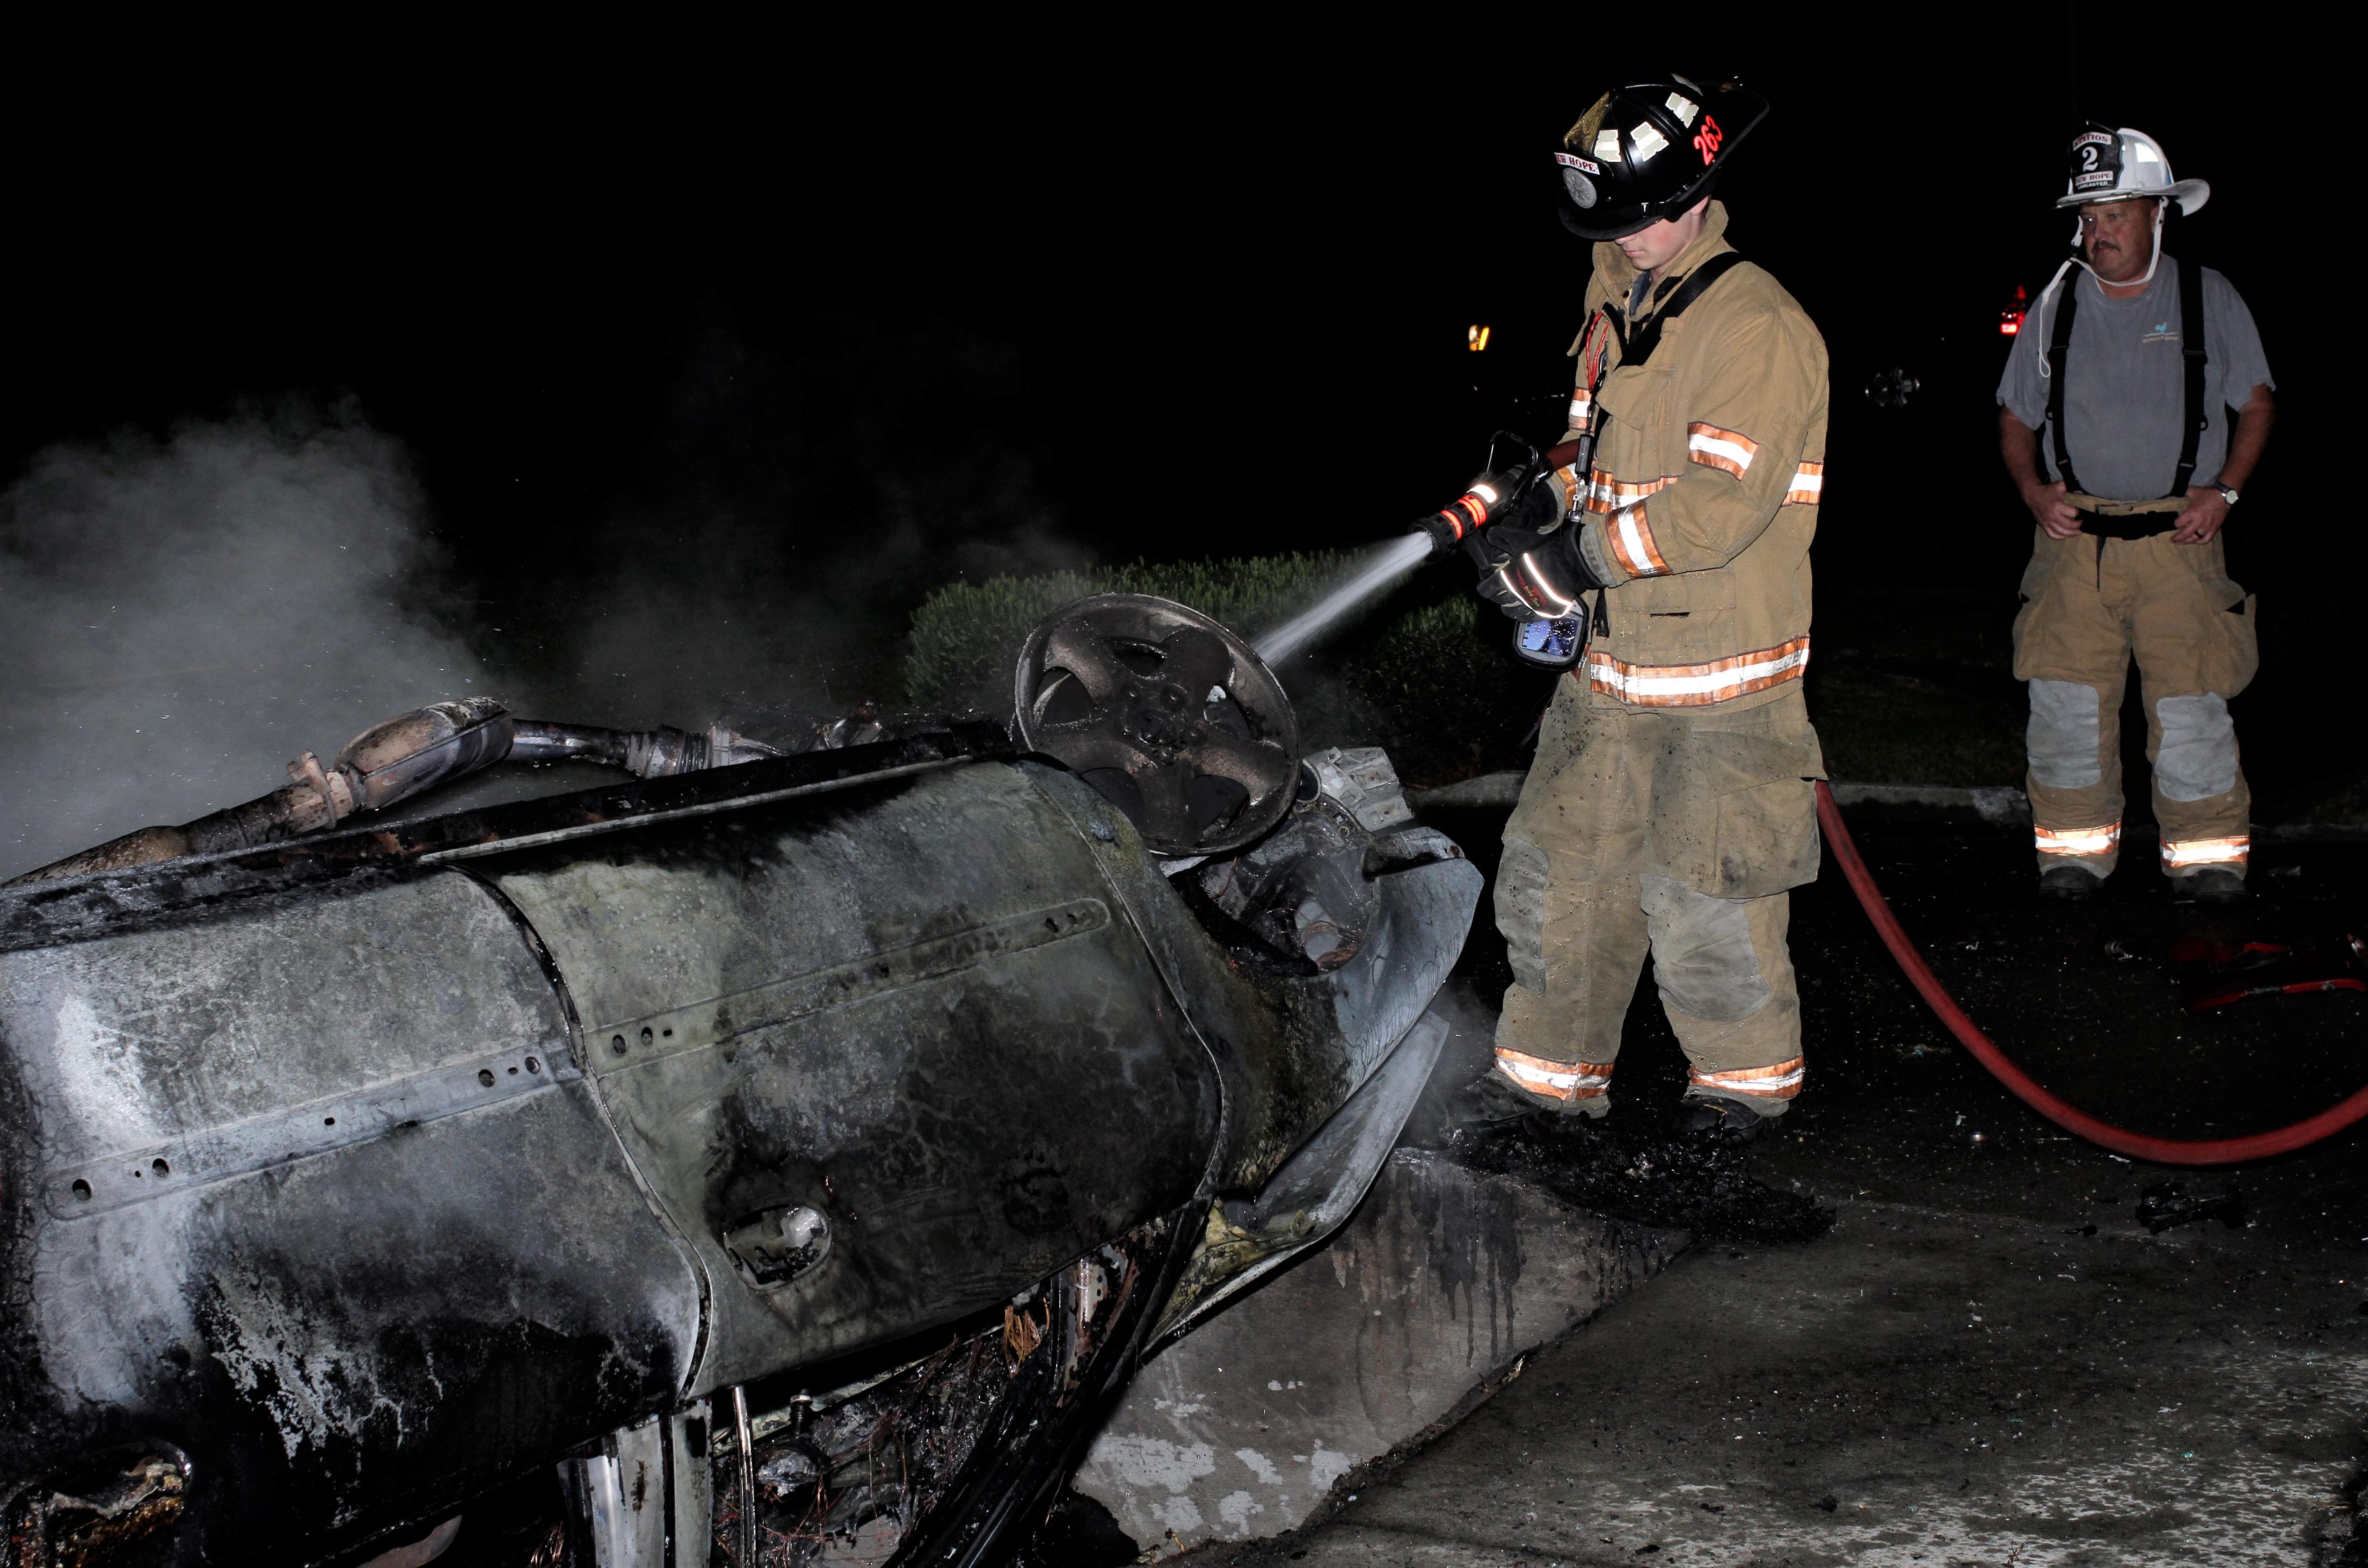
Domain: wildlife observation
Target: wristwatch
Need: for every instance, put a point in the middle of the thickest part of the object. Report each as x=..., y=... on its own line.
x=2226, y=494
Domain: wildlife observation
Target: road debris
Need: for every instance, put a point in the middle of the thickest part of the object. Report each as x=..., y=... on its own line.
x=2167, y=1204
x=1645, y=1175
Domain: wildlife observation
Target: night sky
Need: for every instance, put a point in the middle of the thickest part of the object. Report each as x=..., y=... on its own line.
x=696, y=304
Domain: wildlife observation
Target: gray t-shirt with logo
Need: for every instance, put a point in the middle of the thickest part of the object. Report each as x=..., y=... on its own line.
x=2126, y=396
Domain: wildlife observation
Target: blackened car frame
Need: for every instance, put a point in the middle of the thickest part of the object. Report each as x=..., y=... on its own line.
x=728, y=1139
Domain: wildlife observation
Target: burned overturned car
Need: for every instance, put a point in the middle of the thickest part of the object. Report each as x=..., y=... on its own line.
x=782, y=1155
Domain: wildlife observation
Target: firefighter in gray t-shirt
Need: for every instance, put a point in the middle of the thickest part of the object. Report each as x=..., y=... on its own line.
x=2121, y=382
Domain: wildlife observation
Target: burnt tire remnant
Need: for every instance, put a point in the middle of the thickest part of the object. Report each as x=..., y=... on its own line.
x=1644, y=1176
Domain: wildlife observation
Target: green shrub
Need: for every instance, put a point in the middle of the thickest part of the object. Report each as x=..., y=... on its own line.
x=966, y=636
x=1426, y=672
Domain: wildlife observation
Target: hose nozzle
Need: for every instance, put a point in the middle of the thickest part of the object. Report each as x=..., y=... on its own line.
x=1511, y=461
x=1469, y=513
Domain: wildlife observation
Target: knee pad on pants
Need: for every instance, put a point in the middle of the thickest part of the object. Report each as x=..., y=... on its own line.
x=1702, y=956
x=1522, y=911
x=2061, y=739
x=2197, y=758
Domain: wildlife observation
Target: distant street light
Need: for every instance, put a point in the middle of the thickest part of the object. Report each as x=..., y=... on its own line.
x=1476, y=338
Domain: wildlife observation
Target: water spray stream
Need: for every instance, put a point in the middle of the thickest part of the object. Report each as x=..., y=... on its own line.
x=1390, y=562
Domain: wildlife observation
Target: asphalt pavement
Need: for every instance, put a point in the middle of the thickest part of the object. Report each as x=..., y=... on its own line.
x=1989, y=1359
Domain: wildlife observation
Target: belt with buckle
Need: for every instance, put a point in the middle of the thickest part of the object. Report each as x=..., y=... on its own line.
x=2126, y=525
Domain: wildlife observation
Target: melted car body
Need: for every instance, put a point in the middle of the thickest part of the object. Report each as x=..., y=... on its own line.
x=360, y=1174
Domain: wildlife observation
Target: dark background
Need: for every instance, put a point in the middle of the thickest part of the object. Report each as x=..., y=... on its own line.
x=764, y=312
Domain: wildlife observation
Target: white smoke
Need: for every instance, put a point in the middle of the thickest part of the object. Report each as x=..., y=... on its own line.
x=180, y=617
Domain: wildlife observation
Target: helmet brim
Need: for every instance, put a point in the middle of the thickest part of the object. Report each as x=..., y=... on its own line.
x=2189, y=194
x=1612, y=226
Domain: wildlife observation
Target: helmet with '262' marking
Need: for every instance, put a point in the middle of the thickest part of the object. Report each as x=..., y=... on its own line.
x=1647, y=152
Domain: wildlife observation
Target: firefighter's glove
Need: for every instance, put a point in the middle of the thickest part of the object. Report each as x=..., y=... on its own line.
x=1531, y=575
x=1534, y=510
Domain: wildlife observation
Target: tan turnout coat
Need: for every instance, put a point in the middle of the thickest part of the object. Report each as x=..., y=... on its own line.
x=1704, y=496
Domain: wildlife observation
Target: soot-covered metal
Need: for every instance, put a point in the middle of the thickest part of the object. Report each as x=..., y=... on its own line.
x=349, y=1177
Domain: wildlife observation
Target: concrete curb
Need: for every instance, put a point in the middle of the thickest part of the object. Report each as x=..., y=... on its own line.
x=1417, y=1311
x=1996, y=804
x=1986, y=805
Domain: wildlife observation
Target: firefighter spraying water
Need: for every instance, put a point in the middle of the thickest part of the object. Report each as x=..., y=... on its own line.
x=1663, y=548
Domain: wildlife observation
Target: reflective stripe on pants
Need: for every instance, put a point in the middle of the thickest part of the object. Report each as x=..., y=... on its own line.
x=2181, y=857
x=1570, y=1082
x=2057, y=844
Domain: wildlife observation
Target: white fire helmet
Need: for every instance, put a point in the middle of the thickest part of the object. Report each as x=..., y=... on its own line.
x=2116, y=166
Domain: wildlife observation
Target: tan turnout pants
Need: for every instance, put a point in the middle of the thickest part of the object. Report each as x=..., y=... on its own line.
x=1676, y=830
x=2089, y=605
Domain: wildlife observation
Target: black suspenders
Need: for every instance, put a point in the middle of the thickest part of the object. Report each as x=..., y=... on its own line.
x=2190, y=348
x=2059, y=348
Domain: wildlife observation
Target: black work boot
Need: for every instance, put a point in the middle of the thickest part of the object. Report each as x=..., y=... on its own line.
x=2069, y=883
x=1493, y=1100
x=1721, y=1118
x=2211, y=886
x=1495, y=1103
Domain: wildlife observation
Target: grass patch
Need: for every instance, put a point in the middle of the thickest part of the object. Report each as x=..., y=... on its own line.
x=1881, y=723
x=1914, y=683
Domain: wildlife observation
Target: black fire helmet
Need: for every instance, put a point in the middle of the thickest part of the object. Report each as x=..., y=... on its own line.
x=1648, y=152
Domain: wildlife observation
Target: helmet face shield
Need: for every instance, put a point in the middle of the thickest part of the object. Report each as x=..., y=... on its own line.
x=1647, y=152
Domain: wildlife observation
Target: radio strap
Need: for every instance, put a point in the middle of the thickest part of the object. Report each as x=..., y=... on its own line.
x=1637, y=349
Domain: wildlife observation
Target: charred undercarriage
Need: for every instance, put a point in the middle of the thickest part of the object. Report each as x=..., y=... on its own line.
x=799, y=1153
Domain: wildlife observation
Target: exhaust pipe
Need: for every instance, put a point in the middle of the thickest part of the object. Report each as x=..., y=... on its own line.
x=385, y=764
x=415, y=752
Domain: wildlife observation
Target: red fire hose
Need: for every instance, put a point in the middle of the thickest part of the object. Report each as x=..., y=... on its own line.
x=2161, y=1151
